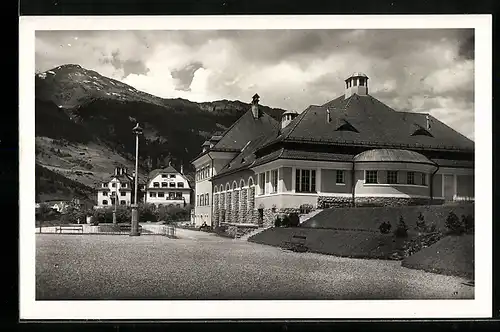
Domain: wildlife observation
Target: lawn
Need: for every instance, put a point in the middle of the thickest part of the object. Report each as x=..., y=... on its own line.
x=452, y=255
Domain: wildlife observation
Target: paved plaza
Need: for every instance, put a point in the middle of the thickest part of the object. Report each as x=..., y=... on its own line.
x=203, y=266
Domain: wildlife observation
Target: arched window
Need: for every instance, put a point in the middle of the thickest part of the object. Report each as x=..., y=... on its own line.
x=221, y=188
x=235, y=185
x=242, y=183
x=228, y=186
x=215, y=190
x=250, y=181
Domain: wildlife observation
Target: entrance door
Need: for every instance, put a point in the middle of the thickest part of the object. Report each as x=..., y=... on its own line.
x=449, y=187
x=261, y=216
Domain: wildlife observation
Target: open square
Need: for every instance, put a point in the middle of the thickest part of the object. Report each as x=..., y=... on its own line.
x=203, y=266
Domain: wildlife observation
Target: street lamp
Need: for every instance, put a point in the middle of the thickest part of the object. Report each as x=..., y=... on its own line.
x=134, y=229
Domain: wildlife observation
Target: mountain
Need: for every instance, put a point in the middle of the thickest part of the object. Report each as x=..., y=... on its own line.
x=83, y=124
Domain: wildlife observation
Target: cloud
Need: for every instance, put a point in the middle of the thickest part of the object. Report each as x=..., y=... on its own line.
x=416, y=70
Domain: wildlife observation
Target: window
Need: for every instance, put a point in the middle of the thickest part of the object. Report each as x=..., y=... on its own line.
x=202, y=198
x=105, y=193
x=180, y=184
x=340, y=176
x=104, y=202
x=152, y=194
x=171, y=195
x=198, y=200
x=361, y=81
x=392, y=177
x=305, y=180
x=179, y=195
x=262, y=178
x=161, y=194
x=410, y=177
x=207, y=200
x=355, y=82
x=164, y=176
x=124, y=185
x=164, y=184
x=274, y=181
x=171, y=185
x=104, y=185
x=113, y=185
x=122, y=193
x=156, y=184
x=424, y=179
x=122, y=202
x=172, y=176
x=371, y=177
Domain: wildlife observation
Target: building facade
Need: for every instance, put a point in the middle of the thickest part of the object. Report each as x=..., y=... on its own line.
x=167, y=186
x=118, y=190
x=351, y=151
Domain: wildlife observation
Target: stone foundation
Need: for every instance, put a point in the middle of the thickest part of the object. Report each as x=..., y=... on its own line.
x=390, y=201
x=325, y=202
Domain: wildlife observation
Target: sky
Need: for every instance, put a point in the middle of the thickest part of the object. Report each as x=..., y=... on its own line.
x=418, y=70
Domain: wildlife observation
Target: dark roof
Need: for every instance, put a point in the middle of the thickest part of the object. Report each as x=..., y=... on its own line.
x=377, y=125
x=122, y=177
x=246, y=128
x=454, y=163
x=317, y=156
x=168, y=169
x=392, y=155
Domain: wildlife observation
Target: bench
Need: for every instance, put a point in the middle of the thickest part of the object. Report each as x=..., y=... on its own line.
x=297, y=243
x=78, y=228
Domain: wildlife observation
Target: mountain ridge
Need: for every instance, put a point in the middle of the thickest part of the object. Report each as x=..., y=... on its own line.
x=85, y=118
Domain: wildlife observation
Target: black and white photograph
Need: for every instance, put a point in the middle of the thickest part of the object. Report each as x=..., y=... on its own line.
x=252, y=167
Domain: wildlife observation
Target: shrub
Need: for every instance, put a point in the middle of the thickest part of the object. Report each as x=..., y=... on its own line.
x=385, y=227
x=468, y=223
x=293, y=220
x=402, y=229
x=146, y=212
x=103, y=215
x=453, y=224
x=123, y=214
x=277, y=222
x=285, y=222
x=421, y=226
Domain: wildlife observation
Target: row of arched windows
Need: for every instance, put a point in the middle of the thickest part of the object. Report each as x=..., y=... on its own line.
x=234, y=186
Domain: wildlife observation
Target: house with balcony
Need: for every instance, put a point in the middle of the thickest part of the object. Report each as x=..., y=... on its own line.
x=167, y=186
x=351, y=151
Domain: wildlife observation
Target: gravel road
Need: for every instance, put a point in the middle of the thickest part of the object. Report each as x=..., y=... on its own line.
x=203, y=266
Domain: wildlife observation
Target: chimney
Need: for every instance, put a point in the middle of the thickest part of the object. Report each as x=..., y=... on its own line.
x=255, y=106
x=182, y=169
x=427, y=122
x=287, y=117
x=328, y=118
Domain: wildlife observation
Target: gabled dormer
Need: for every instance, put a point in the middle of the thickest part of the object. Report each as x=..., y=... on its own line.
x=344, y=125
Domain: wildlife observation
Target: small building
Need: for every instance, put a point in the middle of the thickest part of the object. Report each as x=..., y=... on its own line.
x=351, y=151
x=167, y=186
x=118, y=190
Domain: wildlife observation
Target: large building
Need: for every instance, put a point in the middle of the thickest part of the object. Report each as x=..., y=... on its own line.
x=117, y=190
x=167, y=186
x=351, y=151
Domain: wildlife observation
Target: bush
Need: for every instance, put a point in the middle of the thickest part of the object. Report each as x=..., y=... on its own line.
x=146, y=212
x=402, y=229
x=294, y=220
x=277, y=222
x=421, y=226
x=453, y=224
x=285, y=222
x=385, y=227
x=103, y=215
x=468, y=223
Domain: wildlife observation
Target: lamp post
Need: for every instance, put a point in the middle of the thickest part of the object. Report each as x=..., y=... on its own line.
x=115, y=196
x=134, y=229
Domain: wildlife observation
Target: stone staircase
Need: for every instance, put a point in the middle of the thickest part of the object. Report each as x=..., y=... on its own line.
x=309, y=215
x=246, y=236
